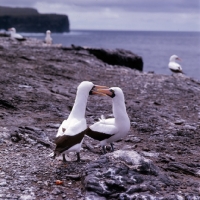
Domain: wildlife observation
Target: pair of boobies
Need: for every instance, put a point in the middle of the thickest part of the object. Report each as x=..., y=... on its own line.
x=71, y=132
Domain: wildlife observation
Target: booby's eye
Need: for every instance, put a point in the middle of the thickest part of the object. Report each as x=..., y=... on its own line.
x=91, y=91
x=113, y=93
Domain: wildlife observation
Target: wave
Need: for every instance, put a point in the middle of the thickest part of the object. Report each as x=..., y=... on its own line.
x=75, y=33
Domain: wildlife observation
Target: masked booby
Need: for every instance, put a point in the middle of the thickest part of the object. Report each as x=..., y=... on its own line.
x=70, y=134
x=15, y=36
x=111, y=129
x=48, y=38
x=173, y=65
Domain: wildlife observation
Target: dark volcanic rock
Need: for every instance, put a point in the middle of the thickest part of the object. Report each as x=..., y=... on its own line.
x=158, y=160
x=119, y=57
x=117, y=174
x=6, y=11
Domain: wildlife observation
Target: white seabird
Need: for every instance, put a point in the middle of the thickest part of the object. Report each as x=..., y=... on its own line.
x=173, y=65
x=15, y=36
x=48, y=38
x=71, y=132
x=111, y=129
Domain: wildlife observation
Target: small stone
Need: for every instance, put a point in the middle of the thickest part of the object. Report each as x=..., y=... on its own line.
x=179, y=122
x=56, y=191
x=32, y=128
x=190, y=127
x=26, y=197
x=150, y=154
x=3, y=183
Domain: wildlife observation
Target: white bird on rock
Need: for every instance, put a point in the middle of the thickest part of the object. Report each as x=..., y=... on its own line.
x=111, y=129
x=15, y=36
x=70, y=134
x=173, y=65
x=48, y=38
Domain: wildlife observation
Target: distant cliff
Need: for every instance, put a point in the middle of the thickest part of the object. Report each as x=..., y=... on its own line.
x=29, y=20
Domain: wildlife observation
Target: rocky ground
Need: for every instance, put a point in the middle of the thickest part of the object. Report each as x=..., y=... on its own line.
x=158, y=160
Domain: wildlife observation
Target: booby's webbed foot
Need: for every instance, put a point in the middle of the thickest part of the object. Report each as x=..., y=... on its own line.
x=104, y=149
x=78, y=157
x=112, y=146
x=64, y=159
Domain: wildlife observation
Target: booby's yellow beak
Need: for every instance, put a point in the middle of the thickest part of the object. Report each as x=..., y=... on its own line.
x=97, y=90
x=108, y=92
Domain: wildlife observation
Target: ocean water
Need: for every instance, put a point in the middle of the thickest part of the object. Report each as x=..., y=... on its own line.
x=154, y=47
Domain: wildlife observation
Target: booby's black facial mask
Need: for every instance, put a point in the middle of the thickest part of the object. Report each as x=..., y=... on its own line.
x=113, y=93
x=91, y=91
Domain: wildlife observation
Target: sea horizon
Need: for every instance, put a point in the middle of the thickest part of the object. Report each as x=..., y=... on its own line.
x=110, y=30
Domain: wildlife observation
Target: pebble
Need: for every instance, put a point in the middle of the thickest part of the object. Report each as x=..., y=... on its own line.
x=3, y=183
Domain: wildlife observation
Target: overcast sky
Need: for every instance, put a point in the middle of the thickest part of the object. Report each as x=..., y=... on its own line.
x=171, y=15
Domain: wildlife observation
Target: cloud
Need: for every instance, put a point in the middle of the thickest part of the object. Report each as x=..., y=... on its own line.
x=126, y=5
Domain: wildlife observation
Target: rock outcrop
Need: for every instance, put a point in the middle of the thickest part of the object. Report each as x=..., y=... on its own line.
x=29, y=20
x=123, y=174
x=118, y=57
x=6, y=11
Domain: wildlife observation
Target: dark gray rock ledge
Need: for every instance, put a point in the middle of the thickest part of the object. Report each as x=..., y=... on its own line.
x=118, y=57
x=125, y=175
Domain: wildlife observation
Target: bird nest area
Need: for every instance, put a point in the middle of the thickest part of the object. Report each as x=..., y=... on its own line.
x=38, y=87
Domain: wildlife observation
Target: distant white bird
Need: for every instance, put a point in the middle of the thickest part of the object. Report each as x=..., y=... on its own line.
x=173, y=65
x=111, y=129
x=71, y=132
x=48, y=38
x=15, y=36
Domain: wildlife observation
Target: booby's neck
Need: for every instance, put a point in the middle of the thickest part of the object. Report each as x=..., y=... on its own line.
x=79, y=107
x=119, y=109
x=13, y=33
x=173, y=61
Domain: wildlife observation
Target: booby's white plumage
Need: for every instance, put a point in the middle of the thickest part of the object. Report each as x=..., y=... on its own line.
x=48, y=38
x=71, y=132
x=112, y=129
x=173, y=65
x=14, y=35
